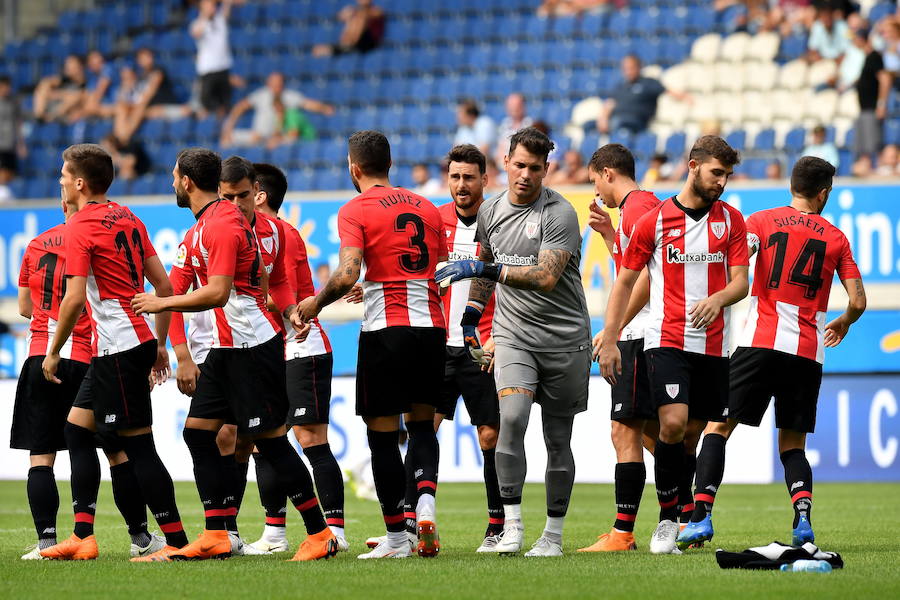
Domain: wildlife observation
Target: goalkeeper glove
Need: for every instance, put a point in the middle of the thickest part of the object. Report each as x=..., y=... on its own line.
x=469, y=322
x=451, y=272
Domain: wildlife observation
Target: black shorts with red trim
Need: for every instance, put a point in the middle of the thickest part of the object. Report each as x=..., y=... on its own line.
x=759, y=374
x=41, y=407
x=309, y=389
x=698, y=380
x=462, y=377
x=631, y=397
x=245, y=386
x=399, y=367
x=117, y=388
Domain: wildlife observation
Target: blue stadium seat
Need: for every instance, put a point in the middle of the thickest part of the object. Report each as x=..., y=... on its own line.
x=675, y=145
x=892, y=131
x=795, y=139
x=590, y=143
x=644, y=144
x=737, y=139
x=765, y=140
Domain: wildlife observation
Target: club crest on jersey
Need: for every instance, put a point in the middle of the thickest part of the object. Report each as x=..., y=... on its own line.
x=531, y=230
x=672, y=390
x=268, y=243
x=718, y=229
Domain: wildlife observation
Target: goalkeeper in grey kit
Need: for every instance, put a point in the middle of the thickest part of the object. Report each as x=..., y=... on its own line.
x=530, y=245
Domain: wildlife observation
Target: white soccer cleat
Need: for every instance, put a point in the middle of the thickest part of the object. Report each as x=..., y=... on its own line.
x=375, y=540
x=544, y=547
x=489, y=544
x=33, y=554
x=157, y=543
x=385, y=550
x=268, y=546
x=378, y=539
x=663, y=539
x=241, y=548
x=511, y=540
x=343, y=544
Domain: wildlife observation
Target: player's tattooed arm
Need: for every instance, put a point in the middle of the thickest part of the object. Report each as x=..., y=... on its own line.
x=341, y=281
x=481, y=289
x=541, y=277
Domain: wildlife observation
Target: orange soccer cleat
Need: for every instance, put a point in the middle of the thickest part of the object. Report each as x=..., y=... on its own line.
x=158, y=556
x=317, y=546
x=212, y=543
x=614, y=541
x=429, y=540
x=73, y=548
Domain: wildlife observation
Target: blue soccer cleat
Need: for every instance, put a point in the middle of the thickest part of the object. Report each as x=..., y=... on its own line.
x=695, y=533
x=803, y=533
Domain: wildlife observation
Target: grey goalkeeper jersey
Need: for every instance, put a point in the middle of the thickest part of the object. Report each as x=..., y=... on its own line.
x=555, y=321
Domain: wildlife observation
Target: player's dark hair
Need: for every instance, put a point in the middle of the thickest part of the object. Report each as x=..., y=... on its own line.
x=371, y=152
x=535, y=141
x=470, y=107
x=613, y=156
x=468, y=153
x=91, y=163
x=810, y=176
x=202, y=166
x=237, y=168
x=712, y=146
x=272, y=181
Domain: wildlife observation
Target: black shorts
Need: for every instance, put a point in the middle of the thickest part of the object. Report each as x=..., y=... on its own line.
x=398, y=367
x=244, y=386
x=462, y=377
x=631, y=398
x=41, y=407
x=215, y=90
x=698, y=380
x=758, y=374
x=117, y=388
x=9, y=160
x=309, y=389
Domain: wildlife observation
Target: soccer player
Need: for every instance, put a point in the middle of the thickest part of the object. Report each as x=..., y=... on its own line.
x=611, y=170
x=309, y=372
x=108, y=256
x=695, y=248
x=541, y=330
x=243, y=375
x=782, y=346
x=400, y=237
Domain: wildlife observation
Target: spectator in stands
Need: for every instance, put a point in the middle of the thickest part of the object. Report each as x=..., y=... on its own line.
x=270, y=105
x=657, y=170
x=774, y=170
x=516, y=118
x=828, y=37
x=888, y=162
x=890, y=33
x=821, y=148
x=633, y=103
x=364, y=25
x=872, y=88
x=12, y=143
x=214, y=62
x=562, y=8
x=61, y=97
x=473, y=127
x=425, y=184
x=152, y=97
x=129, y=158
x=572, y=171
x=99, y=82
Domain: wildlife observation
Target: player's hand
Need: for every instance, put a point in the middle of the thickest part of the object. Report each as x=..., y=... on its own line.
x=159, y=374
x=355, y=295
x=451, y=272
x=186, y=374
x=476, y=351
x=147, y=303
x=307, y=310
x=704, y=312
x=597, y=344
x=601, y=222
x=488, y=349
x=610, y=360
x=836, y=331
x=49, y=367
x=301, y=328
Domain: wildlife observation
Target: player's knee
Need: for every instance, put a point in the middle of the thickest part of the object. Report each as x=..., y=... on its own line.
x=42, y=460
x=226, y=439
x=626, y=437
x=487, y=436
x=513, y=422
x=791, y=440
x=311, y=435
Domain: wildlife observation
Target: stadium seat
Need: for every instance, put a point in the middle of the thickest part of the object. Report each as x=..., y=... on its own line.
x=763, y=46
x=795, y=139
x=706, y=48
x=735, y=47
x=765, y=140
x=793, y=75
x=676, y=145
x=821, y=72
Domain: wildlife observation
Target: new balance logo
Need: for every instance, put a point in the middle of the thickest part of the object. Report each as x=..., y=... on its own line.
x=109, y=419
x=712, y=488
x=796, y=485
x=419, y=473
x=254, y=422
x=674, y=233
x=49, y=530
x=299, y=412
x=618, y=407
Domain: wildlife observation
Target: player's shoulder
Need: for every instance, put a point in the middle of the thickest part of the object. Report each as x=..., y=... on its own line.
x=730, y=210
x=644, y=199
x=556, y=203
x=50, y=239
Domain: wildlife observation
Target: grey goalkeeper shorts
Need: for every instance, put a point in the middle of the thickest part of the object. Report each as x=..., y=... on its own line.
x=559, y=380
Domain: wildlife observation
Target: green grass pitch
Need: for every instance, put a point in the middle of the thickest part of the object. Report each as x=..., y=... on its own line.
x=861, y=521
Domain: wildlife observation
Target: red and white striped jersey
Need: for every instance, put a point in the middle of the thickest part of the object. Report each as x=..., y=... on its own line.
x=461, y=245
x=43, y=272
x=200, y=325
x=402, y=238
x=222, y=243
x=298, y=272
x=798, y=255
x=688, y=260
x=635, y=205
x=271, y=238
x=108, y=245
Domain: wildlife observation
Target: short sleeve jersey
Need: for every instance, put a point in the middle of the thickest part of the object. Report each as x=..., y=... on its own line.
x=635, y=205
x=271, y=239
x=461, y=245
x=43, y=272
x=798, y=255
x=200, y=326
x=300, y=275
x=688, y=260
x=554, y=321
x=402, y=238
x=108, y=244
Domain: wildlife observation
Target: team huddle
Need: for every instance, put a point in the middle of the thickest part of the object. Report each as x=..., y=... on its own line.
x=480, y=298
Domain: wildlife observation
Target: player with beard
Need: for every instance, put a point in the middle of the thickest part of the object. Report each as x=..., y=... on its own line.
x=782, y=347
x=400, y=237
x=695, y=248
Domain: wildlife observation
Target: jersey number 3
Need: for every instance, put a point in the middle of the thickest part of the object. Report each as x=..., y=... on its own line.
x=413, y=262
x=806, y=270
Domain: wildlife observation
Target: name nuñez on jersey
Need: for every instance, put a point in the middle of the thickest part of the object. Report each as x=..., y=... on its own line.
x=675, y=255
x=393, y=199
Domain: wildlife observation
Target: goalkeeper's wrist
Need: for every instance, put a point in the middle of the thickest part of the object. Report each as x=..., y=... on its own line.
x=472, y=314
x=493, y=271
